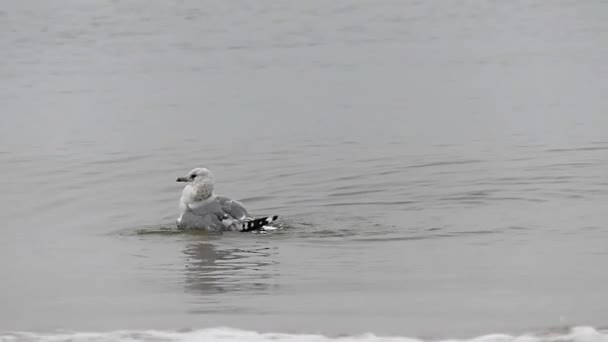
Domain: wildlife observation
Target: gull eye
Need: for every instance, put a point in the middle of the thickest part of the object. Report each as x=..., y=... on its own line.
x=192, y=176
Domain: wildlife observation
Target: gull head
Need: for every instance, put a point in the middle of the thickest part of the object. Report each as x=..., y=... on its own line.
x=199, y=184
x=198, y=175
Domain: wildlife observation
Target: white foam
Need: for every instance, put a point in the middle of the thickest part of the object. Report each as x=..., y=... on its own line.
x=576, y=334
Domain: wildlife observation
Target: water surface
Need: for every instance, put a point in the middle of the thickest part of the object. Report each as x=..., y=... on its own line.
x=439, y=167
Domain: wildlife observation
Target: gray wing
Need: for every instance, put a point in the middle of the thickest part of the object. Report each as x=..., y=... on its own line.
x=190, y=220
x=232, y=207
x=202, y=215
x=213, y=207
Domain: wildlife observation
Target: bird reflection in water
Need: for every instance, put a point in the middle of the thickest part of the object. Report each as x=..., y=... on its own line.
x=216, y=266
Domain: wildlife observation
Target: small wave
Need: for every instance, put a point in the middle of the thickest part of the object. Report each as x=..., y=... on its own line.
x=576, y=334
x=163, y=231
x=446, y=163
x=171, y=229
x=366, y=203
x=578, y=149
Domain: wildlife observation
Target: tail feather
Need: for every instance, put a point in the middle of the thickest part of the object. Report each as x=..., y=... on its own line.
x=258, y=224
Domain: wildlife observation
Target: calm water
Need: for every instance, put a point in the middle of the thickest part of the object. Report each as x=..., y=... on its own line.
x=441, y=168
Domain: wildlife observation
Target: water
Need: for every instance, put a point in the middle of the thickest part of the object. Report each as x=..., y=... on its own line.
x=439, y=168
x=582, y=334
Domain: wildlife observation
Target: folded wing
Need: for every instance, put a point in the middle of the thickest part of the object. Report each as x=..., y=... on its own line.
x=232, y=207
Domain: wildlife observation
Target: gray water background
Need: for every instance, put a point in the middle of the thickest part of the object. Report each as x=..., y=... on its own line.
x=440, y=167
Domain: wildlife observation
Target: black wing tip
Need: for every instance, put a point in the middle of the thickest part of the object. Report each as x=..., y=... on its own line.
x=258, y=224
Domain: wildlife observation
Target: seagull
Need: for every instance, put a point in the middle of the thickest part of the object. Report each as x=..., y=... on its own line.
x=200, y=208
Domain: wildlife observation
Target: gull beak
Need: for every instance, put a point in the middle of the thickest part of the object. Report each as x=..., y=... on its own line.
x=181, y=179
